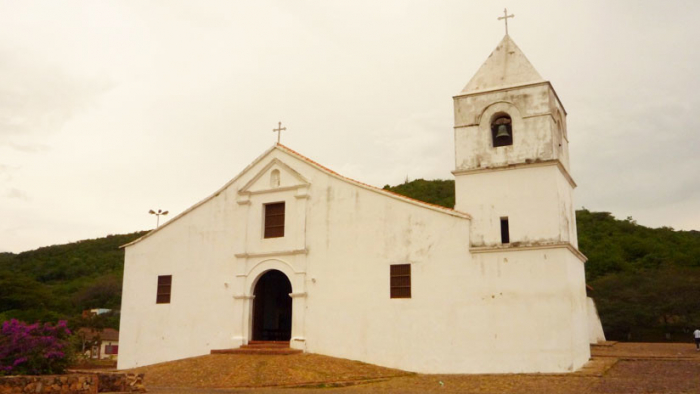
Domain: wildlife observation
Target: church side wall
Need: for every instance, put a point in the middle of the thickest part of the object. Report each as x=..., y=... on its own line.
x=484, y=313
x=355, y=235
x=196, y=250
x=531, y=312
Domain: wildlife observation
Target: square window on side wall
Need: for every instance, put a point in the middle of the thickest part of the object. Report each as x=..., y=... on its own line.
x=400, y=280
x=164, y=289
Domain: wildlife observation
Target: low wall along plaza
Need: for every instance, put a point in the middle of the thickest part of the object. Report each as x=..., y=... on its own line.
x=76, y=383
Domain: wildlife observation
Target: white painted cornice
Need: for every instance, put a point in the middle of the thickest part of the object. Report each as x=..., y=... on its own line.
x=508, y=167
x=515, y=247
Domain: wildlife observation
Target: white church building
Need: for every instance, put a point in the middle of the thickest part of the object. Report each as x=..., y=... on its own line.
x=289, y=250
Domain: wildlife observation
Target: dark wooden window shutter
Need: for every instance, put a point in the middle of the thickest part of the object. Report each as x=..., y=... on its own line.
x=401, y=281
x=164, y=286
x=274, y=220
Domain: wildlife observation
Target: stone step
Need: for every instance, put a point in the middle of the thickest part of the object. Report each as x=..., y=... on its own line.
x=282, y=343
x=261, y=347
x=258, y=350
x=267, y=346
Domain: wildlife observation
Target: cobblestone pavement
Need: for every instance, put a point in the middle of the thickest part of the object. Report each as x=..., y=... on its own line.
x=624, y=368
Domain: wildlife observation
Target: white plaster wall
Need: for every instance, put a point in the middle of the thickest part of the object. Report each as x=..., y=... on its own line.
x=197, y=251
x=595, y=326
x=533, y=198
x=566, y=211
x=467, y=314
x=490, y=313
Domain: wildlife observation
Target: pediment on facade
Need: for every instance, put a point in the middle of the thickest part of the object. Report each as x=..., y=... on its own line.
x=275, y=176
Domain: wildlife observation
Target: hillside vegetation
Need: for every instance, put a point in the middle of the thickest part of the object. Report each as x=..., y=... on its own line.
x=60, y=281
x=646, y=281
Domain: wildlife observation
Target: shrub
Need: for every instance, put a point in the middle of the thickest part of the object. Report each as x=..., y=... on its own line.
x=33, y=349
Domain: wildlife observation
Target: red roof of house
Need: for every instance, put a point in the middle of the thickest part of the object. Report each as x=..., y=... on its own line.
x=107, y=334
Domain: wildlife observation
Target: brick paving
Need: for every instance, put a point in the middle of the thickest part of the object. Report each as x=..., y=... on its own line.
x=624, y=368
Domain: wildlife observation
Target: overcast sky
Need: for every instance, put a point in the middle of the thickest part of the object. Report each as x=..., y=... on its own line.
x=109, y=109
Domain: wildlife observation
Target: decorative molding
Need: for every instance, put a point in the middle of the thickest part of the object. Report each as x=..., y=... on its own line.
x=269, y=254
x=302, y=196
x=513, y=87
x=517, y=248
x=298, y=295
x=544, y=163
x=243, y=202
x=277, y=189
x=274, y=162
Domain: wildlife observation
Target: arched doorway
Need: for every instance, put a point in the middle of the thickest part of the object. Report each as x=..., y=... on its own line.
x=272, y=307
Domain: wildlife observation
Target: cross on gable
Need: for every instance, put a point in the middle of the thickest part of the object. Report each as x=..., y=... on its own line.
x=279, y=131
x=505, y=18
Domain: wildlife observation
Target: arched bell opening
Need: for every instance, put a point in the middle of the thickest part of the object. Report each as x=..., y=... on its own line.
x=501, y=130
x=272, y=307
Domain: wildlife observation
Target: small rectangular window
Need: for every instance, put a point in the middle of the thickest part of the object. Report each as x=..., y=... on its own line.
x=274, y=220
x=505, y=234
x=164, y=286
x=400, y=281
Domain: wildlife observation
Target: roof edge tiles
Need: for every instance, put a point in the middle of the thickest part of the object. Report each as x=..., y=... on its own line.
x=377, y=189
x=433, y=207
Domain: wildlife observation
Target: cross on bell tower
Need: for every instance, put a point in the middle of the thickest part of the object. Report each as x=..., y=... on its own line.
x=505, y=18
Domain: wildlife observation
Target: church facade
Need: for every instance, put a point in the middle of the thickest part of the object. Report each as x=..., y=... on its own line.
x=291, y=251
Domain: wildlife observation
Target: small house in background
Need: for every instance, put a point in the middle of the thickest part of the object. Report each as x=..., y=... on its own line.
x=94, y=312
x=100, y=344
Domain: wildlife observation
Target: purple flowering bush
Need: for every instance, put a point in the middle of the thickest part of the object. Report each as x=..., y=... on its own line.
x=33, y=349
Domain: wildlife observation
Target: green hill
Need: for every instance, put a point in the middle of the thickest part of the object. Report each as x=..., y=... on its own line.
x=645, y=281
x=60, y=281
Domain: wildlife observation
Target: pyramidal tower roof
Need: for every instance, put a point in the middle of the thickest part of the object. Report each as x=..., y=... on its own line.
x=506, y=66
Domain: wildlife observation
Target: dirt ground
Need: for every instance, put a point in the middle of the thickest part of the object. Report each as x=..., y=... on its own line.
x=620, y=368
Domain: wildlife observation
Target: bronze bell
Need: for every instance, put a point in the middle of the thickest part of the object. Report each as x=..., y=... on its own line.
x=502, y=131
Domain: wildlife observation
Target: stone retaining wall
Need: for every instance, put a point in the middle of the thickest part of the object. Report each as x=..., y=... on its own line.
x=120, y=382
x=76, y=383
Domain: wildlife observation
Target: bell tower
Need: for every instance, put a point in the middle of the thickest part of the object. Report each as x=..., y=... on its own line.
x=512, y=156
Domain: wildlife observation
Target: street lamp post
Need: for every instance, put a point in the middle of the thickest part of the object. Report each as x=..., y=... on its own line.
x=160, y=212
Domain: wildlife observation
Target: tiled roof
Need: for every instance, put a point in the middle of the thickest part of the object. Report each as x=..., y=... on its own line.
x=107, y=334
x=383, y=191
x=397, y=196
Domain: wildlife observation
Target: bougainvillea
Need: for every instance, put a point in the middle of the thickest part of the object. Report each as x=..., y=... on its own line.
x=33, y=349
